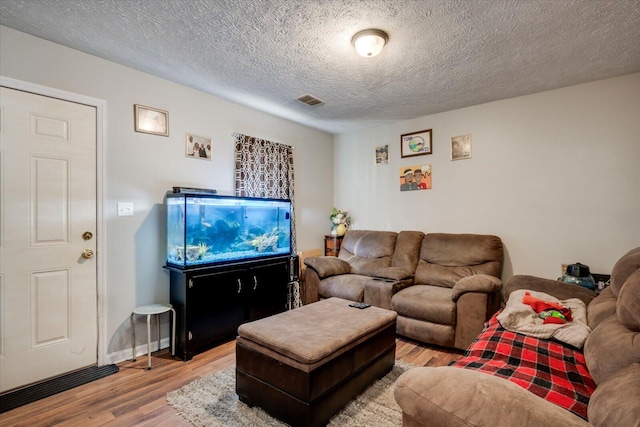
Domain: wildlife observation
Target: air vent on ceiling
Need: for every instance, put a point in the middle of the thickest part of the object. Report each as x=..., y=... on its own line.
x=310, y=100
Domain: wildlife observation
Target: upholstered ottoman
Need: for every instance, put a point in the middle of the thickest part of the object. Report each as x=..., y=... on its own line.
x=302, y=366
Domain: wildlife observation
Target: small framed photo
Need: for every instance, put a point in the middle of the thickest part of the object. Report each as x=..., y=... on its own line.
x=151, y=120
x=415, y=144
x=382, y=155
x=198, y=147
x=416, y=177
x=461, y=147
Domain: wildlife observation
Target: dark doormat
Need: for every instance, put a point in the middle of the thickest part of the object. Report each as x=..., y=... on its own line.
x=14, y=399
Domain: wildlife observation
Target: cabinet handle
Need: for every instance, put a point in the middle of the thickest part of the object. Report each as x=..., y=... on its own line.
x=190, y=283
x=255, y=283
x=239, y=285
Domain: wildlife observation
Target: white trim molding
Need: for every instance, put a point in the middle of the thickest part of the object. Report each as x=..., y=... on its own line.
x=101, y=149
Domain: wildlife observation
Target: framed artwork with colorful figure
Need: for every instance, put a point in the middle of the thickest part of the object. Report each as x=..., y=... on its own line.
x=415, y=177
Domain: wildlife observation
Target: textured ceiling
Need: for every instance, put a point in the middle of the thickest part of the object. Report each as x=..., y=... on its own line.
x=441, y=55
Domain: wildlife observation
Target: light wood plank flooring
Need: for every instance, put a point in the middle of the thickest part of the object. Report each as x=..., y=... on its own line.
x=136, y=397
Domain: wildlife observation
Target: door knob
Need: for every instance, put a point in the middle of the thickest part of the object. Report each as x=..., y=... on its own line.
x=87, y=253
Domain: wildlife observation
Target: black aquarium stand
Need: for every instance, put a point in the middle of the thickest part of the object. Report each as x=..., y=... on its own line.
x=211, y=302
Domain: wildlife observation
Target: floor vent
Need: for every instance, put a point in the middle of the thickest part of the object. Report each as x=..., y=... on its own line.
x=310, y=100
x=29, y=394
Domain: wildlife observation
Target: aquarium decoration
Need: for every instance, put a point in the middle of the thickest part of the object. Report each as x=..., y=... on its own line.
x=204, y=228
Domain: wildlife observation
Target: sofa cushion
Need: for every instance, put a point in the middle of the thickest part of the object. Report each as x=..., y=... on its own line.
x=625, y=266
x=615, y=343
x=616, y=402
x=602, y=307
x=610, y=348
x=628, y=306
x=430, y=303
x=605, y=305
x=446, y=258
x=447, y=396
x=368, y=251
x=407, y=250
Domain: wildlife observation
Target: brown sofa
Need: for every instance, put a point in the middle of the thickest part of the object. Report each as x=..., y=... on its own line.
x=443, y=286
x=371, y=266
x=454, y=396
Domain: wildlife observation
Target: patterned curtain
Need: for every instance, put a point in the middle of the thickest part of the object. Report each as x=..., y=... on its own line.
x=265, y=169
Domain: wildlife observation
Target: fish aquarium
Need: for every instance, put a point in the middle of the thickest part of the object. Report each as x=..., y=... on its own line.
x=204, y=228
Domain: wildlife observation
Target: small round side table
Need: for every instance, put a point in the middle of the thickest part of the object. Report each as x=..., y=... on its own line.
x=149, y=310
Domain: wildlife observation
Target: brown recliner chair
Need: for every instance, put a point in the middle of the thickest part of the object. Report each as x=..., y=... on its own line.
x=456, y=289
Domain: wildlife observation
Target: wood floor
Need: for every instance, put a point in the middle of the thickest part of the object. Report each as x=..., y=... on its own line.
x=136, y=397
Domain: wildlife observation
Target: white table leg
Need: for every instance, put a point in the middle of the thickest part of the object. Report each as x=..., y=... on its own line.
x=148, y=341
x=173, y=332
x=133, y=338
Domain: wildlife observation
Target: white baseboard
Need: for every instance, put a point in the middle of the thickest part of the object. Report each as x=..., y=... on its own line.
x=141, y=350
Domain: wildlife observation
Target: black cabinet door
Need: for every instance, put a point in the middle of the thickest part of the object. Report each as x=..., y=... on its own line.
x=212, y=302
x=267, y=287
x=215, y=308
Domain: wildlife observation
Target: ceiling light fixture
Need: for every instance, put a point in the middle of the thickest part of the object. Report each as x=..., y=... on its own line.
x=370, y=42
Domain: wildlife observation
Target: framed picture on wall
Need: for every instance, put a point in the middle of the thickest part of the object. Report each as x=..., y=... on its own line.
x=415, y=144
x=198, y=147
x=151, y=120
x=382, y=154
x=461, y=147
x=416, y=177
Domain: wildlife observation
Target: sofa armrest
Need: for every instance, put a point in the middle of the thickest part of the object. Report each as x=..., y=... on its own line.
x=448, y=396
x=476, y=283
x=394, y=273
x=555, y=288
x=327, y=266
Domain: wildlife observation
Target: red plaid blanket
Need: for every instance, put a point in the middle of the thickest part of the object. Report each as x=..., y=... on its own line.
x=550, y=369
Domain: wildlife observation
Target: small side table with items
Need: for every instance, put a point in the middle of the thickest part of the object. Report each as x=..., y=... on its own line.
x=579, y=274
x=332, y=245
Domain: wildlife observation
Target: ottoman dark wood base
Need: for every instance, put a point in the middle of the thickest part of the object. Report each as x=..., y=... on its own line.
x=305, y=383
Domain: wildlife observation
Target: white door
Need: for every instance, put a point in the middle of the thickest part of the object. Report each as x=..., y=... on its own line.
x=48, y=292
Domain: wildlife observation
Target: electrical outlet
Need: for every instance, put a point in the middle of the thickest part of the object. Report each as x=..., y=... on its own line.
x=125, y=209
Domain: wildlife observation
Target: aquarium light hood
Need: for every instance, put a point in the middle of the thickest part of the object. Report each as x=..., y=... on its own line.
x=191, y=190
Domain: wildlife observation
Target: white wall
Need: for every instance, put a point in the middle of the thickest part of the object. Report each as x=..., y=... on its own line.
x=556, y=175
x=140, y=168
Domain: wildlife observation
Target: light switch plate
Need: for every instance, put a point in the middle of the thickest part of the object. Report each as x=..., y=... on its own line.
x=125, y=209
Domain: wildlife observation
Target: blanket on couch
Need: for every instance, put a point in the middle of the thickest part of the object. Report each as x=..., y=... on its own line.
x=520, y=316
x=548, y=368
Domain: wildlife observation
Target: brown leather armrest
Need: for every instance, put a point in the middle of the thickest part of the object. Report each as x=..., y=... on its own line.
x=476, y=283
x=327, y=266
x=394, y=273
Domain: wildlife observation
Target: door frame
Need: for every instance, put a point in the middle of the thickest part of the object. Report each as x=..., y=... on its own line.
x=101, y=241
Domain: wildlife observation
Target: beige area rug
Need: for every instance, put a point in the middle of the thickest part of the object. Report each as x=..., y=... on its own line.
x=212, y=401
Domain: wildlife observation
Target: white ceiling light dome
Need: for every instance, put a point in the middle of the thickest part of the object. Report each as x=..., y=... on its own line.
x=369, y=43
